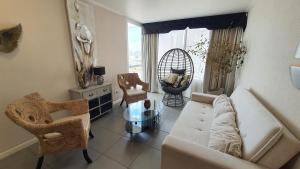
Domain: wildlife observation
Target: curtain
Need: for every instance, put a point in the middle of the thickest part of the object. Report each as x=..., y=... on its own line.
x=149, y=59
x=217, y=81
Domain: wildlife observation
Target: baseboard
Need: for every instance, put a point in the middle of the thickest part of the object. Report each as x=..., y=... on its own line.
x=17, y=148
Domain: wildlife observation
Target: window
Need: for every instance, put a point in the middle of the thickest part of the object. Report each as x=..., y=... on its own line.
x=184, y=39
x=135, y=49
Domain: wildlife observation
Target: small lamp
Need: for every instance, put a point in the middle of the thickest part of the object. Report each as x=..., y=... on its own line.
x=99, y=71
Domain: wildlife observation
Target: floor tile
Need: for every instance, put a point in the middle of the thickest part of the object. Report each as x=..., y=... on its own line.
x=105, y=163
x=125, y=151
x=149, y=159
x=143, y=137
x=112, y=123
x=24, y=159
x=103, y=139
x=167, y=125
x=74, y=159
x=157, y=139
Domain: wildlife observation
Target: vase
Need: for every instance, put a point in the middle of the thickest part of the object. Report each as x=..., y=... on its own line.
x=147, y=103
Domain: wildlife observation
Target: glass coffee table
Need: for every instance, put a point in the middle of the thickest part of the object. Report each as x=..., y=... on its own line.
x=138, y=118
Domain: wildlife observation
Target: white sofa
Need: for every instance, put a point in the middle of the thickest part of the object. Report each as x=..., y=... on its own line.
x=267, y=144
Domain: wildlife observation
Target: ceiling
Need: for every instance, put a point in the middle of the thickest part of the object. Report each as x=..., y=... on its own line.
x=145, y=11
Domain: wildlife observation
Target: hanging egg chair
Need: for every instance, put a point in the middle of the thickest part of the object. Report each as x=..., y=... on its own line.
x=175, y=74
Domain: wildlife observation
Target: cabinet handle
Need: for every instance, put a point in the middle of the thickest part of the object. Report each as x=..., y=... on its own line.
x=91, y=94
x=104, y=90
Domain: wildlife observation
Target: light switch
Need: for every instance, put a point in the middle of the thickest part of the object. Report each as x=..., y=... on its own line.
x=298, y=51
x=295, y=75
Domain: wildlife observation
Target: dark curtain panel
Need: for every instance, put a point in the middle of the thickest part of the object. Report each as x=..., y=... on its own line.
x=210, y=22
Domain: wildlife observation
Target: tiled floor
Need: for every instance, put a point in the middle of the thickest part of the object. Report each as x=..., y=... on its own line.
x=112, y=147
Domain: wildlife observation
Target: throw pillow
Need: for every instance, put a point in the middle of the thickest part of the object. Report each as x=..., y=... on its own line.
x=185, y=80
x=222, y=107
x=177, y=83
x=220, y=98
x=224, y=135
x=172, y=77
x=178, y=71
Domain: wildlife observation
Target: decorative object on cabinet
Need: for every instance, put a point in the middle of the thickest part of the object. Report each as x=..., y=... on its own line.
x=33, y=113
x=99, y=98
x=9, y=38
x=82, y=29
x=99, y=71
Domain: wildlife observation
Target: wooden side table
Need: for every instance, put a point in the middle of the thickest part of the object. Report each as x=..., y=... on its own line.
x=99, y=97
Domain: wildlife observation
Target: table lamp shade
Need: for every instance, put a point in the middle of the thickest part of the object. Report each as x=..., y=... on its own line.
x=99, y=70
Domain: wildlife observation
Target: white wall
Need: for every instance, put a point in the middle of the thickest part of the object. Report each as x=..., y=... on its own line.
x=111, y=32
x=272, y=35
x=43, y=61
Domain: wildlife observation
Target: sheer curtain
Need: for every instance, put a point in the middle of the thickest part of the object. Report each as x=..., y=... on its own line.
x=185, y=39
x=216, y=82
x=149, y=59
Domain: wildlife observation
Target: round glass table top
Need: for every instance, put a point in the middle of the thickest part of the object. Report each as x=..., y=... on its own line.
x=136, y=112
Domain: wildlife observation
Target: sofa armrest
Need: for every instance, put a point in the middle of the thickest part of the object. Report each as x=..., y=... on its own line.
x=203, y=98
x=179, y=154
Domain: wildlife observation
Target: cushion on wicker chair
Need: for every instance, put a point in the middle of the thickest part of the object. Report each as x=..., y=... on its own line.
x=171, y=78
x=135, y=91
x=178, y=71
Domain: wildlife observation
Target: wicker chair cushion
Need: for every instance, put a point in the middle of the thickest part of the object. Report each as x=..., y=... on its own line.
x=185, y=80
x=171, y=78
x=178, y=71
x=178, y=81
x=135, y=91
x=173, y=90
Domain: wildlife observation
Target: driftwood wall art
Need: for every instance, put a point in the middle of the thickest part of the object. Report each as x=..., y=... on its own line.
x=9, y=38
x=82, y=29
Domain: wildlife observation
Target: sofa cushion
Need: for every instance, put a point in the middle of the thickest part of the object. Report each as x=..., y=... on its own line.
x=224, y=135
x=194, y=123
x=258, y=128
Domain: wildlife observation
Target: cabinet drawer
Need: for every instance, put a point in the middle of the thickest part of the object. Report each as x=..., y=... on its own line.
x=104, y=90
x=95, y=113
x=106, y=107
x=90, y=94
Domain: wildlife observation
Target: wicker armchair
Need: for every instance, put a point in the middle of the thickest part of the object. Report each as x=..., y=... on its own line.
x=128, y=83
x=33, y=114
